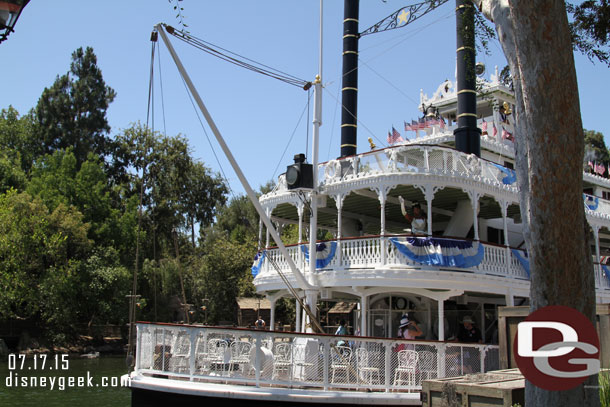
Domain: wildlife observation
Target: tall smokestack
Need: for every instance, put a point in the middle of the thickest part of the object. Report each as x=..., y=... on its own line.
x=349, y=90
x=467, y=135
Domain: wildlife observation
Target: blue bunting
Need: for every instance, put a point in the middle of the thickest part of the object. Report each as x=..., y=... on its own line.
x=258, y=262
x=591, y=202
x=440, y=252
x=606, y=271
x=523, y=260
x=511, y=175
x=325, y=252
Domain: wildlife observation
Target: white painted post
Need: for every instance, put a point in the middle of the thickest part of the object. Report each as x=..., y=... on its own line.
x=363, y=314
x=382, y=201
x=441, y=320
x=297, y=326
x=192, y=353
x=388, y=365
x=326, y=363
x=260, y=233
x=257, y=358
x=475, y=207
x=139, y=348
x=339, y=203
x=272, y=316
x=510, y=300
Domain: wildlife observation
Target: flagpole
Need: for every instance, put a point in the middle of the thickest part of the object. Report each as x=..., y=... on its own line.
x=311, y=295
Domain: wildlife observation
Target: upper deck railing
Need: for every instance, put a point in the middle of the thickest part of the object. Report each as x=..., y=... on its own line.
x=369, y=252
x=279, y=359
x=412, y=159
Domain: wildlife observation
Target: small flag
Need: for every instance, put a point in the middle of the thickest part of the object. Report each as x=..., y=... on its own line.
x=507, y=135
x=422, y=123
x=408, y=127
x=442, y=122
x=484, y=127
x=495, y=131
x=394, y=136
x=591, y=165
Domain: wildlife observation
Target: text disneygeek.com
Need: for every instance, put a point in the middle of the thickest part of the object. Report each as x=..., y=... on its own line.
x=15, y=380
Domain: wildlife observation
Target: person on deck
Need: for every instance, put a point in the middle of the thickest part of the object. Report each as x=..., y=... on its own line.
x=469, y=333
x=341, y=330
x=260, y=323
x=418, y=219
x=408, y=329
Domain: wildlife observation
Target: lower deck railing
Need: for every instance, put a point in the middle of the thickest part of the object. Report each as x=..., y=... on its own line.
x=235, y=356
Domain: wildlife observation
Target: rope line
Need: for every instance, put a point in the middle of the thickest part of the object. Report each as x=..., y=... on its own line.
x=236, y=59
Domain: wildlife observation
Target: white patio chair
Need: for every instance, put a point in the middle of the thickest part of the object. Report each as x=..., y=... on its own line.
x=214, y=357
x=366, y=372
x=282, y=360
x=179, y=362
x=340, y=362
x=240, y=355
x=407, y=363
x=427, y=365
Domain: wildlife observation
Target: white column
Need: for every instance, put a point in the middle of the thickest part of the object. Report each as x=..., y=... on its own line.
x=363, y=314
x=429, y=197
x=268, y=212
x=596, y=237
x=429, y=320
x=441, y=320
x=339, y=203
x=508, y=254
x=311, y=297
x=272, y=317
x=510, y=300
x=382, y=195
x=483, y=321
x=260, y=233
x=300, y=213
x=297, y=323
x=474, y=200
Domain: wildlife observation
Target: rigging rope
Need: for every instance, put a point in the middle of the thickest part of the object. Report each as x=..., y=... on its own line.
x=235, y=58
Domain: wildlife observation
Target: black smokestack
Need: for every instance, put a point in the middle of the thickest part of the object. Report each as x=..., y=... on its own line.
x=349, y=90
x=467, y=135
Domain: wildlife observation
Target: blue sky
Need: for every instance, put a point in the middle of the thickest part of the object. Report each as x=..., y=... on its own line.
x=256, y=115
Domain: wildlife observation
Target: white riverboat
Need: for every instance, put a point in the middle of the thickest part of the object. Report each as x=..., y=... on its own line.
x=464, y=263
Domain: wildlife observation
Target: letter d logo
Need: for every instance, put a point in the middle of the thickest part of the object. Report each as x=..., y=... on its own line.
x=526, y=338
x=556, y=348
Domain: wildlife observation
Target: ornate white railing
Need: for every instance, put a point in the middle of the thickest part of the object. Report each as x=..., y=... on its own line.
x=236, y=356
x=379, y=252
x=413, y=159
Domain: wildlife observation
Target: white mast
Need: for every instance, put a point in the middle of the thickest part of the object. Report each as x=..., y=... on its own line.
x=312, y=294
x=303, y=283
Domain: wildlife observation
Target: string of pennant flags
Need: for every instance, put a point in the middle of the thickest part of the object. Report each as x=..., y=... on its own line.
x=597, y=168
x=394, y=135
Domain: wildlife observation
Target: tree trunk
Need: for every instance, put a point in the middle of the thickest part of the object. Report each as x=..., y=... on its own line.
x=549, y=148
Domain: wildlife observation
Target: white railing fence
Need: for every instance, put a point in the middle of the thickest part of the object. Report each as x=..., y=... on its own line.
x=376, y=251
x=288, y=359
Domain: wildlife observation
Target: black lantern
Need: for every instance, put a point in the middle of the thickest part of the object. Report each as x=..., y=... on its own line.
x=9, y=13
x=299, y=175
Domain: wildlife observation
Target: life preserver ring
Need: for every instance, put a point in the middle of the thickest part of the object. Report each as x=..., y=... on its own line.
x=332, y=169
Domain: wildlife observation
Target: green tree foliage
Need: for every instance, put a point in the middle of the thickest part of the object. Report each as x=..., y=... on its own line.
x=41, y=251
x=72, y=112
x=590, y=28
x=18, y=139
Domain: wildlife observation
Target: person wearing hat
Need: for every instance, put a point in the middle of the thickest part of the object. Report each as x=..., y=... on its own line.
x=408, y=329
x=469, y=333
x=418, y=219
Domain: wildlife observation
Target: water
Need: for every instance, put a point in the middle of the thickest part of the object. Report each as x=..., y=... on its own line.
x=101, y=371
